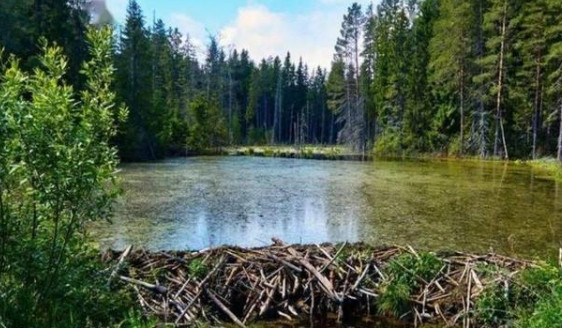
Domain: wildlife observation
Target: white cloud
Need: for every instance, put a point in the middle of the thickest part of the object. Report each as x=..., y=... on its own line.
x=189, y=26
x=117, y=8
x=265, y=33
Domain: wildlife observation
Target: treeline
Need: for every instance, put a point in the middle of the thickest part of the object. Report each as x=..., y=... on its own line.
x=179, y=104
x=474, y=77
x=24, y=22
x=478, y=77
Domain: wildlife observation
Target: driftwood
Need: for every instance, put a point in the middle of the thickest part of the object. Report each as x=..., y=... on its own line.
x=295, y=282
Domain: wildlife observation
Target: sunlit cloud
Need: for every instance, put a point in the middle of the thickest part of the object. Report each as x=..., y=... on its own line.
x=265, y=33
x=191, y=27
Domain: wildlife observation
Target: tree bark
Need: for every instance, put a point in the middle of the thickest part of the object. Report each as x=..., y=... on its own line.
x=461, y=147
x=537, y=105
x=499, y=118
x=560, y=136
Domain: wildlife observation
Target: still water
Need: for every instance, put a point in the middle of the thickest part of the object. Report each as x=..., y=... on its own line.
x=193, y=203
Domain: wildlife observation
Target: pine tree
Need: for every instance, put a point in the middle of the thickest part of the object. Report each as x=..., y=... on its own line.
x=554, y=61
x=347, y=48
x=419, y=114
x=367, y=73
x=498, y=27
x=163, y=103
x=450, y=60
x=134, y=86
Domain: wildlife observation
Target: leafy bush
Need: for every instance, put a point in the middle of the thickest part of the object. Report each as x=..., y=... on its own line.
x=533, y=299
x=197, y=268
x=57, y=172
x=388, y=144
x=493, y=306
x=404, y=274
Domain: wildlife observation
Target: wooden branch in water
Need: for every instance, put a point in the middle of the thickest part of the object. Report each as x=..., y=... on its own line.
x=231, y=315
x=293, y=281
x=154, y=288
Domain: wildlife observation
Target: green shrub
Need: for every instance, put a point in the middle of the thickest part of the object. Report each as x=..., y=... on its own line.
x=539, y=302
x=388, y=144
x=404, y=274
x=57, y=172
x=493, y=306
x=197, y=268
x=547, y=312
x=135, y=319
x=532, y=299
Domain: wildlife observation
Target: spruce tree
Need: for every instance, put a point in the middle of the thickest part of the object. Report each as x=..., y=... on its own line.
x=134, y=86
x=450, y=61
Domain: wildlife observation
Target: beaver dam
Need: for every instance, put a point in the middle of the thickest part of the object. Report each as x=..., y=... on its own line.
x=345, y=281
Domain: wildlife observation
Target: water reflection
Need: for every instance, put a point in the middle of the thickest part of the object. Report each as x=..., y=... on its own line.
x=201, y=202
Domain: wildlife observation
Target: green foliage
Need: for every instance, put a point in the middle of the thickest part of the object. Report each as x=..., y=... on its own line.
x=24, y=22
x=550, y=166
x=198, y=268
x=57, y=172
x=404, y=274
x=492, y=307
x=388, y=143
x=546, y=313
x=533, y=299
x=207, y=129
x=134, y=319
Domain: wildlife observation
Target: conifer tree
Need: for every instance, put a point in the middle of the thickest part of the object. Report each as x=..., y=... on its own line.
x=450, y=61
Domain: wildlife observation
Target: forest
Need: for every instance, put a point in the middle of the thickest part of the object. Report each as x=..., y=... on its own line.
x=479, y=78
x=87, y=106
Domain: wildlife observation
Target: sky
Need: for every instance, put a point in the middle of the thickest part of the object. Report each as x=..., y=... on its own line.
x=306, y=28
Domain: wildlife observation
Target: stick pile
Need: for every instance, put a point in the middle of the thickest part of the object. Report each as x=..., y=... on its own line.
x=242, y=285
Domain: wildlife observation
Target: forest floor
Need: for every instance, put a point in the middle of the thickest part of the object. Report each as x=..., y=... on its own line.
x=343, y=282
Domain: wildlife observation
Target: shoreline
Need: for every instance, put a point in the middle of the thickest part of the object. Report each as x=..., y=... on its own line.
x=547, y=165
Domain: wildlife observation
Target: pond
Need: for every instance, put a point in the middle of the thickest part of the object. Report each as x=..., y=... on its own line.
x=194, y=203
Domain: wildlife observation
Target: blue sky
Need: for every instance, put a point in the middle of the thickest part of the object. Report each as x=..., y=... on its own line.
x=306, y=28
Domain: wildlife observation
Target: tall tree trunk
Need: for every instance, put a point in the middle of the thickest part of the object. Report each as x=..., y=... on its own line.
x=499, y=115
x=461, y=127
x=536, y=113
x=482, y=124
x=322, y=126
x=560, y=135
x=230, y=134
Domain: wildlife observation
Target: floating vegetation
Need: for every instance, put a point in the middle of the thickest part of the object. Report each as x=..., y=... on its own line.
x=303, y=152
x=294, y=282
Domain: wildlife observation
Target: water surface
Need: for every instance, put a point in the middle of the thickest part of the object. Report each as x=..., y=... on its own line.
x=193, y=203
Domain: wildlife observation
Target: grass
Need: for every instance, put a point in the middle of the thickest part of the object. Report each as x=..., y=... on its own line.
x=549, y=166
x=304, y=151
x=404, y=274
x=532, y=300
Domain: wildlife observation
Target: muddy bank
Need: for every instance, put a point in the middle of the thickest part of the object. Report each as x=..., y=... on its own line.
x=316, y=282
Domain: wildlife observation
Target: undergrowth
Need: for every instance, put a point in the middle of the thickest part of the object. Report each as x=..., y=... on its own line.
x=532, y=299
x=404, y=275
